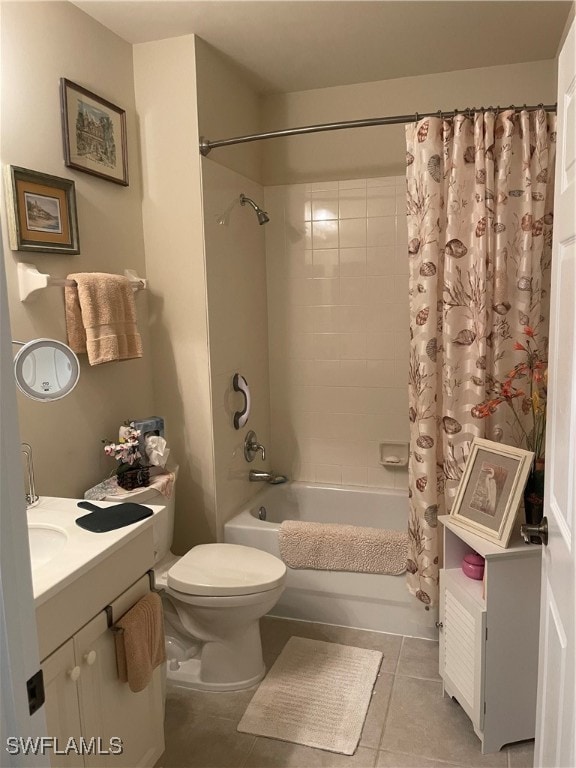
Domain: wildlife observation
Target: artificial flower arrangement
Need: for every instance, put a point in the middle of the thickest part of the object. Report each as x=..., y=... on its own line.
x=524, y=390
x=131, y=473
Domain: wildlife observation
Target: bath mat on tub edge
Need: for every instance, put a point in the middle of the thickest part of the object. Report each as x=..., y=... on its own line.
x=316, y=694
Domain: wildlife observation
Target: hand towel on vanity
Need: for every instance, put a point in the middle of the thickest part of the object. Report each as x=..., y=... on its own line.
x=332, y=547
x=101, y=317
x=140, y=645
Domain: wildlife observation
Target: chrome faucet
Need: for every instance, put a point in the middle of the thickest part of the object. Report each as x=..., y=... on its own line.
x=258, y=475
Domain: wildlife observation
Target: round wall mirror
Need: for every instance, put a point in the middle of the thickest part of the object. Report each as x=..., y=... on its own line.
x=46, y=369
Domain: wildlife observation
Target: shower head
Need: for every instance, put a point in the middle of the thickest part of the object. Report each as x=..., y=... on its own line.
x=262, y=215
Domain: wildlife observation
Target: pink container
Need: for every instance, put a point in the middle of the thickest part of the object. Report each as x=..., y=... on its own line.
x=473, y=566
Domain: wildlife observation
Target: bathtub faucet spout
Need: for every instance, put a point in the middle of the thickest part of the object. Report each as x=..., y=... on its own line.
x=257, y=476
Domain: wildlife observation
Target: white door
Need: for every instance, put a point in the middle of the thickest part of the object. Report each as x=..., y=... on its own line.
x=555, y=728
x=462, y=648
x=18, y=643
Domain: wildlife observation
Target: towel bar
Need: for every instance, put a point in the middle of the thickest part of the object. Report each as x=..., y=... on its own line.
x=152, y=579
x=110, y=620
x=30, y=281
x=110, y=609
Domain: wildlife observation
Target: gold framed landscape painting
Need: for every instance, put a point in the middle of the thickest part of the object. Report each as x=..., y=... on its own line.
x=490, y=490
x=41, y=212
x=94, y=133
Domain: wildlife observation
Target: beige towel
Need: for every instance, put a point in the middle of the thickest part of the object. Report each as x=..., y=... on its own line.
x=331, y=547
x=101, y=317
x=140, y=646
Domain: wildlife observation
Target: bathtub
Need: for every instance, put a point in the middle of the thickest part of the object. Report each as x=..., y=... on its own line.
x=360, y=600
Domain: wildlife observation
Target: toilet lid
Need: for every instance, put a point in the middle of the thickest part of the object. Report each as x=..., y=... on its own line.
x=226, y=569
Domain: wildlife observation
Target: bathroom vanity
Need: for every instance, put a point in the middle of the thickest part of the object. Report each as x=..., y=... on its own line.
x=489, y=635
x=83, y=583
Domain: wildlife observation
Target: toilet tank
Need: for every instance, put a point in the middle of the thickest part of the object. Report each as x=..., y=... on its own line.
x=163, y=521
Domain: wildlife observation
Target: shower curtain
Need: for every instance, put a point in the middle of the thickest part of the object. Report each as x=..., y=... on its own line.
x=479, y=207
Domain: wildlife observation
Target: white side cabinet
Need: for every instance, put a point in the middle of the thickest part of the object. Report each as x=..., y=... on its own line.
x=489, y=635
x=84, y=697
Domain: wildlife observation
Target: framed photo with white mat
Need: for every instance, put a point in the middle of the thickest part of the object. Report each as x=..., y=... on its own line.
x=490, y=489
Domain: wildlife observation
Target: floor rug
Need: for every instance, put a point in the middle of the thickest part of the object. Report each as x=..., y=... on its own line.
x=316, y=694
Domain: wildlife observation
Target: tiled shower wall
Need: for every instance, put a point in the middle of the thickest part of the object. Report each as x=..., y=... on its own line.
x=337, y=271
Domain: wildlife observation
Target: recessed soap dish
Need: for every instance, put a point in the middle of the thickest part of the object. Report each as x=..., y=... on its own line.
x=394, y=453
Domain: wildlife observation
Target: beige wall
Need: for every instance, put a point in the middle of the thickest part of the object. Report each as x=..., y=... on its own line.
x=42, y=42
x=236, y=272
x=237, y=311
x=227, y=106
x=379, y=151
x=339, y=328
x=173, y=234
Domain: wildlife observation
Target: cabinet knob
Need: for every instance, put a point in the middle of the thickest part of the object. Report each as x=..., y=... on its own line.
x=90, y=658
x=439, y=624
x=74, y=673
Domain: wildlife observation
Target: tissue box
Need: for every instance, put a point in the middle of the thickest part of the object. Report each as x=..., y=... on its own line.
x=153, y=425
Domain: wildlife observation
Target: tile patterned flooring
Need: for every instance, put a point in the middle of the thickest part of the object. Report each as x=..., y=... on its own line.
x=409, y=723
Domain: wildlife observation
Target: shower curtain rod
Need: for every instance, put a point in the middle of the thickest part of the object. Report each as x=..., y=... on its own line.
x=206, y=146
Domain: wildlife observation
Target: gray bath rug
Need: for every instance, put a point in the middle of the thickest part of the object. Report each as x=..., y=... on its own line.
x=316, y=694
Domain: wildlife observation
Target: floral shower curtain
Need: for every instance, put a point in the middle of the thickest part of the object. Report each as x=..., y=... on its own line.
x=479, y=207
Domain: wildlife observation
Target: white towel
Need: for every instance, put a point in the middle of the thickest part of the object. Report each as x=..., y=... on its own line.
x=332, y=547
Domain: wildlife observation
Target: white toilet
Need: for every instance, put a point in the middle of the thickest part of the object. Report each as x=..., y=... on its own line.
x=213, y=598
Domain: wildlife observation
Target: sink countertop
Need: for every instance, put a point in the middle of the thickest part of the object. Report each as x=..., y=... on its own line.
x=83, y=550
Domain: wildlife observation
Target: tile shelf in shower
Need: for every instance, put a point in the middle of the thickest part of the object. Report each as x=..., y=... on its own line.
x=394, y=453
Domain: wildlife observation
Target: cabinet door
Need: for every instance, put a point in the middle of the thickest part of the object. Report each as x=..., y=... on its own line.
x=462, y=646
x=62, y=713
x=109, y=709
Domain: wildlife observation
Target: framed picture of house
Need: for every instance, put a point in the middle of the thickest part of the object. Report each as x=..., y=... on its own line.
x=490, y=489
x=41, y=212
x=94, y=133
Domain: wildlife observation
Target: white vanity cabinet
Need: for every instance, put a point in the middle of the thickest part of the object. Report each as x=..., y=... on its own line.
x=85, y=698
x=489, y=635
x=61, y=706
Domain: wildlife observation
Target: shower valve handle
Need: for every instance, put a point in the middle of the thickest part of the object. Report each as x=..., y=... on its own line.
x=252, y=447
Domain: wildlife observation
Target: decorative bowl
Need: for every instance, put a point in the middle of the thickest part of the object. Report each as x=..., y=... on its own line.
x=473, y=566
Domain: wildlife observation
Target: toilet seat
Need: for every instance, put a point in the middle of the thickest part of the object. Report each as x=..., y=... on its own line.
x=225, y=570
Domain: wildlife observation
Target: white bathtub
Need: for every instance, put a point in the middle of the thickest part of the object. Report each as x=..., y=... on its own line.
x=362, y=600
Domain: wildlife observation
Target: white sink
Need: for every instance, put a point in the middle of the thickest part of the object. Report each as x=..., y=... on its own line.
x=46, y=541
x=61, y=551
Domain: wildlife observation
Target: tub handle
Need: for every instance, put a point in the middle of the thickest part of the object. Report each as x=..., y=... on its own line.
x=240, y=384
